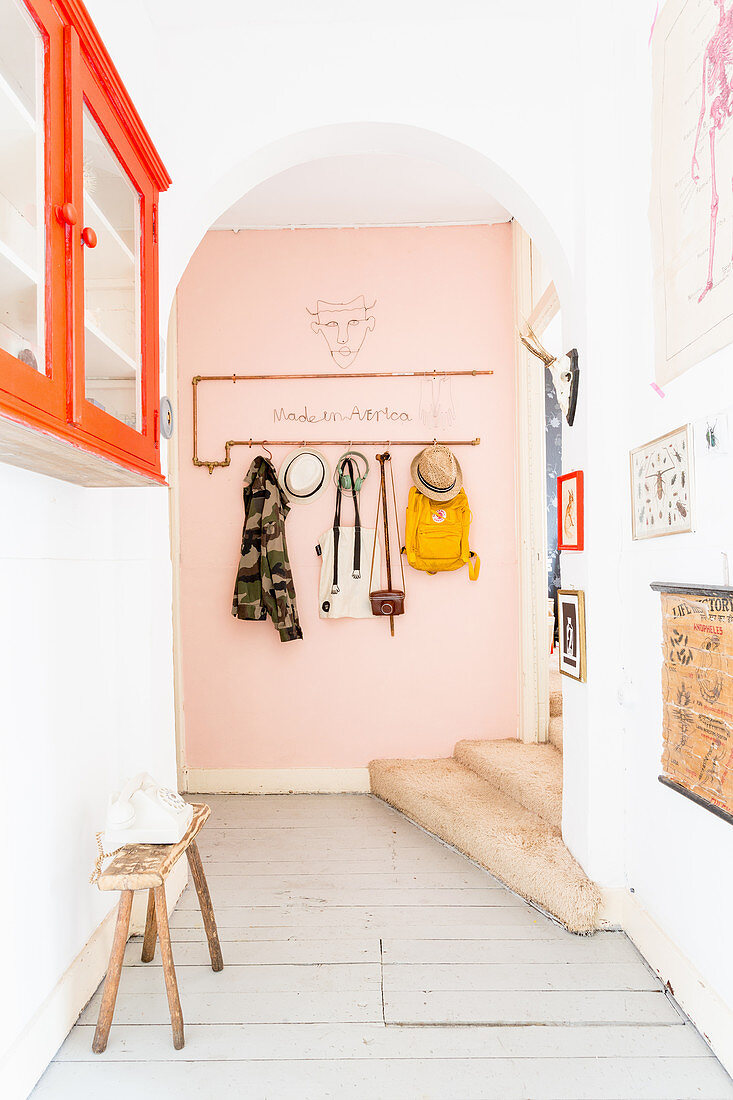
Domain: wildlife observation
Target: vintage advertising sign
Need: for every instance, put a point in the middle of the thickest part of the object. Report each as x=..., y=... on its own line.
x=697, y=694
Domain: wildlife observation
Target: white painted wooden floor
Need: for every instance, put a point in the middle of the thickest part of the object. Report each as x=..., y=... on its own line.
x=363, y=958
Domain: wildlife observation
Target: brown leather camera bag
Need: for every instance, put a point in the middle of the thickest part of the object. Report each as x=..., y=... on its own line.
x=385, y=602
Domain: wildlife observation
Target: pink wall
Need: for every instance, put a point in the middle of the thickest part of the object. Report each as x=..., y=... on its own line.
x=347, y=692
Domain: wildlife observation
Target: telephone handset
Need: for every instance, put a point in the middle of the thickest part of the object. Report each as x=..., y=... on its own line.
x=145, y=813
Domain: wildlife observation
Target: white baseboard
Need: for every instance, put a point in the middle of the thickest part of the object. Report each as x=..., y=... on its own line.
x=707, y=1010
x=277, y=780
x=44, y=1033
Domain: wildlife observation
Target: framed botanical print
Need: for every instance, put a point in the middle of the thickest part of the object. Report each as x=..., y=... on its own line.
x=571, y=618
x=570, y=511
x=661, y=486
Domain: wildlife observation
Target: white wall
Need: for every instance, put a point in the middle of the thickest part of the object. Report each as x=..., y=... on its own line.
x=632, y=830
x=229, y=90
x=85, y=700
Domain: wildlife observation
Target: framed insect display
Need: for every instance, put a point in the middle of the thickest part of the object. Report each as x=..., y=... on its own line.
x=661, y=486
x=570, y=511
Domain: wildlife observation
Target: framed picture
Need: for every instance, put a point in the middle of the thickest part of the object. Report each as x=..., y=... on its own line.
x=712, y=437
x=571, y=618
x=570, y=511
x=661, y=486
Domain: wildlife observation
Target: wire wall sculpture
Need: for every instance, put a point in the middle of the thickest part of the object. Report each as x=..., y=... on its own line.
x=344, y=327
x=212, y=464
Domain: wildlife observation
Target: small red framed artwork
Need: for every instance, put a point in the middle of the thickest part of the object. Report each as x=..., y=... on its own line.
x=570, y=511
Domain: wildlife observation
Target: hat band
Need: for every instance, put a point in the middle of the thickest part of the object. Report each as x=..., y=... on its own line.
x=302, y=496
x=434, y=488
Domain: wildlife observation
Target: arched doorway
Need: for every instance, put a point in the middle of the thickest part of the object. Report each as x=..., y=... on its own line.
x=293, y=158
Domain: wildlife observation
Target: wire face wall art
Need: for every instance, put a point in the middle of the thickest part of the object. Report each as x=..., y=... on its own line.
x=344, y=327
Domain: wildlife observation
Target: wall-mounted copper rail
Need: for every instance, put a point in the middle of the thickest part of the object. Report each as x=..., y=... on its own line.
x=226, y=461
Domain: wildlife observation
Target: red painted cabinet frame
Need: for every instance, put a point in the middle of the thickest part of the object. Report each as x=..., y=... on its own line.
x=39, y=396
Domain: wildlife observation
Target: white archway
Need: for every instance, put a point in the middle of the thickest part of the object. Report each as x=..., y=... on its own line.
x=358, y=139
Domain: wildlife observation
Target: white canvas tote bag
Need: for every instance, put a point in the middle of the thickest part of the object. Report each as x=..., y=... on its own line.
x=343, y=588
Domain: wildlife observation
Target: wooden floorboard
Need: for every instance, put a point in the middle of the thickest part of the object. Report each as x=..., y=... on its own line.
x=363, y=958
x=241, y=1042
x=319, y=914
x=393, y=1079
x=308, y=930
x=232, y=896
x=246, y=952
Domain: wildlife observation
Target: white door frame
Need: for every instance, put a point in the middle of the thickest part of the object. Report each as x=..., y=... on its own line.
x=531, y=509
x=174, y=512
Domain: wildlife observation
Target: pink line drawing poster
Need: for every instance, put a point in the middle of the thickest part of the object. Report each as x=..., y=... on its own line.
x=691, y=205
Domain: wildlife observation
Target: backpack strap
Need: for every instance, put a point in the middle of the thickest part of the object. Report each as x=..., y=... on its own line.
x=474, y=566
x=413, y=512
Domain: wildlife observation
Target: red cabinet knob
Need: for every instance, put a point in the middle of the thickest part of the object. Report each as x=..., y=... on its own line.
x=66, y=214
x=89, y=237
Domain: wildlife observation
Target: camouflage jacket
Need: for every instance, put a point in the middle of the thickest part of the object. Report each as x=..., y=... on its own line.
x=264, y=584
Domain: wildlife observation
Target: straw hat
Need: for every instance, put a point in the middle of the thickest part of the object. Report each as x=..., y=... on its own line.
x=437, y=473
x=304, y=475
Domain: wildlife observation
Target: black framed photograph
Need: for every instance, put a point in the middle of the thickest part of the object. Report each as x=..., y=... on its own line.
x=571, y=617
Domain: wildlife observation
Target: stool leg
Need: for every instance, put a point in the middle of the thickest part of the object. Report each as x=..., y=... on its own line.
x=169, y=971
x=112, y=981
x=151, y=931
x=207, y=909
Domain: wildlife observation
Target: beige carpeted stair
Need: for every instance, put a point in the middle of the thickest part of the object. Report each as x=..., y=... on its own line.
x=556, y=709
x=555, y=732
x=500, y=803
x=530, y=774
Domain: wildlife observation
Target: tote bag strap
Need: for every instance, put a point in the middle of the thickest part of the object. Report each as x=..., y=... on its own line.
x=356, y=570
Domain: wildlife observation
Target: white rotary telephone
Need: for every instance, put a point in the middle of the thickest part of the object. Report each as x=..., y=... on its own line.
x=145, y=813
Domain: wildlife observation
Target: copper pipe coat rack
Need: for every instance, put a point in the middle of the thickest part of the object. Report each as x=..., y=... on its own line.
x=211, y=464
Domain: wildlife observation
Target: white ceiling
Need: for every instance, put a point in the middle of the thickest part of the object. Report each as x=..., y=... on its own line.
x=373, y=189
x=225, y=14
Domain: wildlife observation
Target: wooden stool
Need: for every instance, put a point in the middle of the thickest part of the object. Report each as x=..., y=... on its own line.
x=146, y=867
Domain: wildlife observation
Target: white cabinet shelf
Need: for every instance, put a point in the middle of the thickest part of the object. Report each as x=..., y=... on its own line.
x=19, y=235
x=18, y=302
x=109, y=244
x=14, y=115
x=15, y=274
x=104, y=358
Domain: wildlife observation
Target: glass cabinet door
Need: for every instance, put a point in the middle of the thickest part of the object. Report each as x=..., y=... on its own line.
x=22, y=191
x=112, y=283
x=115, y=282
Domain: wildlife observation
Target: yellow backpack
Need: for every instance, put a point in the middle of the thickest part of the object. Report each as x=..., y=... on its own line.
x=436, y=534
